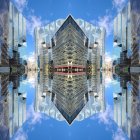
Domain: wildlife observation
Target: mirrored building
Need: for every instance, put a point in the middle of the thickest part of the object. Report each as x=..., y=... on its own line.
x=127, y=68
x=12, y=69
x=70, y=55
x=12, y=36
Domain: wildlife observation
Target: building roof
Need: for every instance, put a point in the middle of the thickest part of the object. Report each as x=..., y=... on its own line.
x=70, y=20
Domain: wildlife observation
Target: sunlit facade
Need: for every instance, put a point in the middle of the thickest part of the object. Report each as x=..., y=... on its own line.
x=17, y=110
x=43, y=44
x=70, y=46
x=96, y=36
x=122, y=110
x=12, y=68
x=127, y=68
x=12, y=33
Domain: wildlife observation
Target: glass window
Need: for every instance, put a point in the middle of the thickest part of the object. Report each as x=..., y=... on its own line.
x=119, y=35
x=24, y=27
x=15, y=19
x=20, y=28
x=124, y=28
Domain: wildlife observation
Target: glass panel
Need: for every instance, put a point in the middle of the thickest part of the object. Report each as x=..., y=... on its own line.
x=124, y=18
x=129, y=34
x=115, y=28
x=119, y=29
x=15, y=19
x=20, y=27
x=24, y=27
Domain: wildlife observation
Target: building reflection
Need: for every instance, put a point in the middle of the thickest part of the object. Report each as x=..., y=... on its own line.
x=127, y=70
x=69, y=69
x=12, y=70
x=70, y=57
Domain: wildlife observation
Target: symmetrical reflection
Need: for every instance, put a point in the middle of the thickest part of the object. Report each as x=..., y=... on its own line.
x=12, y=70
x=69, y=70
x=126, y=70
x=73, y=68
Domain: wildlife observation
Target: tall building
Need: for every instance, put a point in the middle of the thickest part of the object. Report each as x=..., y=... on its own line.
x=135, y=32
x=68, y=52
x=12, y=69
x=95, y=35
x=17, y=109
x=126, y=35
x=122, y=110
x=12, y=34
x=43, y=103
x=13, y=107
x=127, y=68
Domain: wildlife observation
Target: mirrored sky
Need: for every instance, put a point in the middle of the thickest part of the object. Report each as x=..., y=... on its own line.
x=98, y=13
x=40, y=125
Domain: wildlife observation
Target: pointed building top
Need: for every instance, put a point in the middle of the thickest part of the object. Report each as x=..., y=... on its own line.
x=70, y=20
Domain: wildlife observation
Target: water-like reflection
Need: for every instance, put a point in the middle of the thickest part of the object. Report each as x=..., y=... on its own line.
x=12, y=104
x=70, y=71
x=12, y=70
x=91, y=103
x=126, y=70
x=69, y=80
x=126, y=104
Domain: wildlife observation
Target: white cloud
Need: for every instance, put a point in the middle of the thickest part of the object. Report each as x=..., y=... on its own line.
x=108, y=57
x=119, y=4
x=106, y=22
x=35, y=117
x=109, y=82
x=106, y=116
x=31, y=57
x=20, y=135
x=21, y=4
x=32, y=22
x=30, y=80
x=119, y=135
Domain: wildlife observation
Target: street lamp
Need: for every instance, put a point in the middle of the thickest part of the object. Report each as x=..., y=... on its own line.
x=115, y=96
x=95, y=94
x=24, y=96
x=43, y=44
x=44, y=95
x=24, y=42
x=95, y=44
x=115, y=43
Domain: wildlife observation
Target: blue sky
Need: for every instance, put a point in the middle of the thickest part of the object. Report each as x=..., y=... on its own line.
x=40, y=126
x=41, y=12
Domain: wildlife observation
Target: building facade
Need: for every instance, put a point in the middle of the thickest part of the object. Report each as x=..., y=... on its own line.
x=67, y=51
x=12, y=69
x=127, y=68
x=12, y=34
